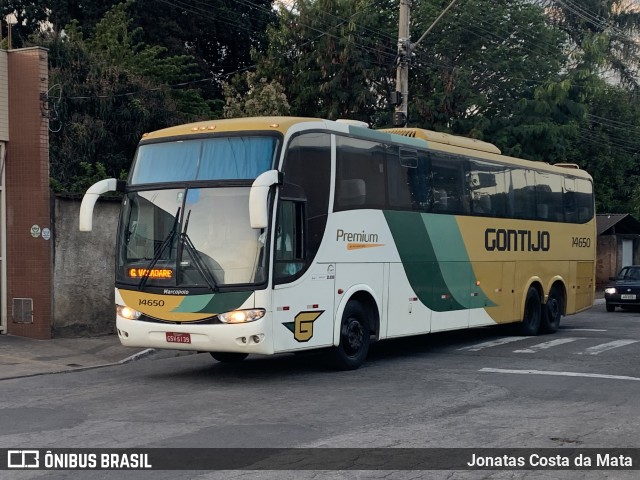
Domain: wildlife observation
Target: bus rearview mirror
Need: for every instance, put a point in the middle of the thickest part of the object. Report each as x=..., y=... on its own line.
x=91, y=197
x=259, y=197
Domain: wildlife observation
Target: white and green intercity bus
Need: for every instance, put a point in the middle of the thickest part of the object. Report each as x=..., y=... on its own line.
x=279, y=234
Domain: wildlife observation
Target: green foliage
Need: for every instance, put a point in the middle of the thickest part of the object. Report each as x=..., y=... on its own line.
x=28, y=17
x=115, y=41
x=604, y=44
x=603, y=36
x=247, y=97
x=525, y=75
x=218, y=34
x=106, y=92
x=492, y=70
x=332, y=65
x=608, y=147
x=87, y=176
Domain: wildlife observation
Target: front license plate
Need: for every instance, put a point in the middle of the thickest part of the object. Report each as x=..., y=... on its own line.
x=627, y=297
x=178, y=337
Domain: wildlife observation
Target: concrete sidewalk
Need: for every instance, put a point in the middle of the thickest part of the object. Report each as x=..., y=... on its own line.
x=23, y=357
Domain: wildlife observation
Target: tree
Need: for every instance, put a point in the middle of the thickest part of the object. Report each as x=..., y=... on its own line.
x=335, y=57
x=488, y=69
x=219, y=34
x=603, y=52
x=247, y=97
x=106, y=92
x=29, y=16
x=493, y=70
x=603, y=34
x=608, y=148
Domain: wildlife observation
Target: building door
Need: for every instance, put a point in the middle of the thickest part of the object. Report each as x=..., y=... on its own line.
x=627, y=253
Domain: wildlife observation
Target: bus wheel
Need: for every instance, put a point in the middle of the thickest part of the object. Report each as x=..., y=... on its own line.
x=229, y=357
x=552, y=311
x=532, y=313
x=354, y=338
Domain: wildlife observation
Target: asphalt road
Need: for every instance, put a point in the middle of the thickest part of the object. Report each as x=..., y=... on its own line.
x=480, y=388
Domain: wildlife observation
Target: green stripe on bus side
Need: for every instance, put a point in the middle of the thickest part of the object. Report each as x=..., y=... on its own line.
x=435, y=260
x=448, y=246
x=214, y=303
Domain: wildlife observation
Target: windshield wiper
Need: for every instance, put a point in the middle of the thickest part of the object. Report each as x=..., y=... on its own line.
x=167, y=241
x=196, y=256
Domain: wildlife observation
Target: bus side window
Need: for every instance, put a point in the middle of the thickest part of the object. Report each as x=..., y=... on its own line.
x=408, y=179
x=523, y=195
x=360, y=174
x=549, y=197
x=450, y=188
x=584, y=200
x=289, y=241
x=351, y=192
x=398, y=180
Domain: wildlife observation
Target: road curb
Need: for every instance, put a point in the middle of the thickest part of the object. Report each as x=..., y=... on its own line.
x=137, y=356
x=149, y=352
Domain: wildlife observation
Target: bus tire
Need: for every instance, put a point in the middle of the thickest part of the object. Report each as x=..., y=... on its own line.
x=532, y=317
x=352, y=350
x=552, y=311
x=229, y=357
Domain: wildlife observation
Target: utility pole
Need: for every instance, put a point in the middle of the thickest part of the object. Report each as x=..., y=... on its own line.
x=400, y=97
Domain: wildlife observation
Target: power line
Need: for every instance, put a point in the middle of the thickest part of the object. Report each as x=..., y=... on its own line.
x=322, y=32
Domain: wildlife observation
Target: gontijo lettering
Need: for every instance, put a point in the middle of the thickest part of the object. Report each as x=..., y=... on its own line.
x=504, y=240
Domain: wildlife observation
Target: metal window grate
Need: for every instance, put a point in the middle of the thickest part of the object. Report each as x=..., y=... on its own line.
x=22, y=310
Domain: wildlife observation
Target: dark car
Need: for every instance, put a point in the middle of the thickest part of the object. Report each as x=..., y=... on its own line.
x=624, y=290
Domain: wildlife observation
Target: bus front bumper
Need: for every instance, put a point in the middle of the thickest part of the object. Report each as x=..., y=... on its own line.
x=252, y=337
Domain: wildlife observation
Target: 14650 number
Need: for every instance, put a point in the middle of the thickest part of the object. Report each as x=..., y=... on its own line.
x=151, y=303
x=580, y=242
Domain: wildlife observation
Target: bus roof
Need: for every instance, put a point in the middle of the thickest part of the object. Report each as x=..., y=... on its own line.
x=438, y=137
x=282, y=124
x=278, y=124
x=489, y=151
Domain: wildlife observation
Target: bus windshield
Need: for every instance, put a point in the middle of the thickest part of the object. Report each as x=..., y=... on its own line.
x=218, y=158
x=189, y=237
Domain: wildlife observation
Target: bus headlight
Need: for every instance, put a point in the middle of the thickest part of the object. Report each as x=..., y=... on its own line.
x=241, y=316
x=127, y=312
x=610, y=291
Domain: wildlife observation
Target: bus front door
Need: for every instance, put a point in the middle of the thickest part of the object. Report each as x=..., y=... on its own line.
x=303, y=310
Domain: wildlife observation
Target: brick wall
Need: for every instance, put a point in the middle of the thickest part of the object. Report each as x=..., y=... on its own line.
x=4, y=98
x=606, y=259
x=29, y=257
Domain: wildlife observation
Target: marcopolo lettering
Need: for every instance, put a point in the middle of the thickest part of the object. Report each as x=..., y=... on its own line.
x=504, y=240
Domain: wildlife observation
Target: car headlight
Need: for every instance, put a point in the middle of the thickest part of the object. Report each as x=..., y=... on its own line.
x=128, y=312
x=610, y=290
x=242, y=316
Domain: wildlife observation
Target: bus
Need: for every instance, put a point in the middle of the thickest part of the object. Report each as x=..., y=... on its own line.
x=280, y=234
